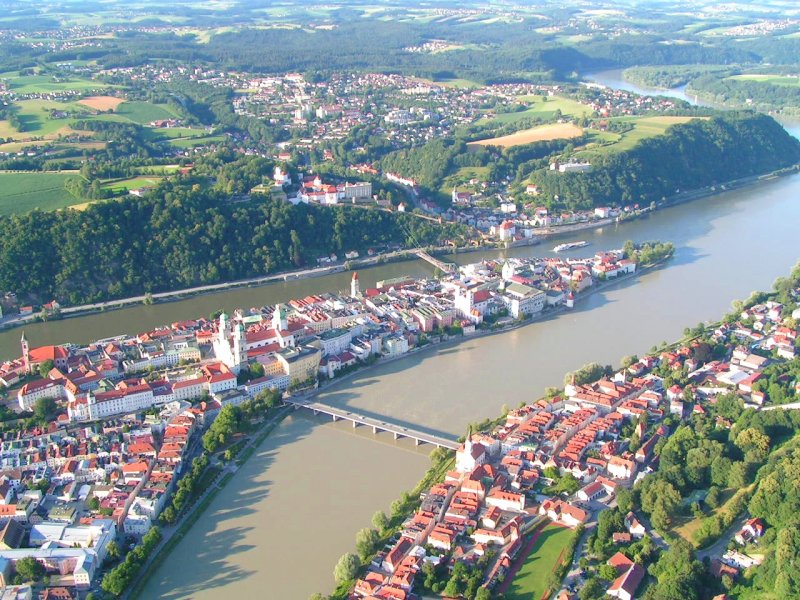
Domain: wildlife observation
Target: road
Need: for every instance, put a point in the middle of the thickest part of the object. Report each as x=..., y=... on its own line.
x=717, y=549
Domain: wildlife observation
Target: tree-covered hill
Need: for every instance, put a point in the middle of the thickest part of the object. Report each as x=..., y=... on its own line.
x=184, y=237
x=688, y=156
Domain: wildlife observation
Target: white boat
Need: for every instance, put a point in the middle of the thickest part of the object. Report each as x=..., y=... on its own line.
x=570, y=246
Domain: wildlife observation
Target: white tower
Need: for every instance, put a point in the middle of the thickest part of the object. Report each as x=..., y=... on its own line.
x=222, y=333
x=279, y=321
x=355, y=287
x=239, y=347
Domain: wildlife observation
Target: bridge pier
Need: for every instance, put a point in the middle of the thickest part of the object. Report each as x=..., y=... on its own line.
x=375, y=429
x=335, y=418
x=396, y=435
x=417, y=442
x=355, y=424
x=315, y=411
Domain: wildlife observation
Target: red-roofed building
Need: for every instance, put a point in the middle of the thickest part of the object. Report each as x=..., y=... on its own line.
x=624, y=587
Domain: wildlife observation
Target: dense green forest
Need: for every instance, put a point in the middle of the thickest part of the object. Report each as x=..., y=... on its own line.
x=760, y=94
x=493, y=52
x=688, y=156
x=186, y=234
x=671, y=76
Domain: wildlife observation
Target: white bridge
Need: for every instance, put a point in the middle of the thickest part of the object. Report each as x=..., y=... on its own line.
x=337, y=414
x=445, y=267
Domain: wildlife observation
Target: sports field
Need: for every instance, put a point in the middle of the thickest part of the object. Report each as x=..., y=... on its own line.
x=529, y=582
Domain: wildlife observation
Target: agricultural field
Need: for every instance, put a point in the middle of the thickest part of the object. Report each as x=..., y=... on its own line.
x=603, y=142
x=43, y=84
x=37, y=121
x=783, y=80
x=22, y=192
x=541, y=107
x=542, y=133
x=529, y=582
x=102, y=103
x=174, y=133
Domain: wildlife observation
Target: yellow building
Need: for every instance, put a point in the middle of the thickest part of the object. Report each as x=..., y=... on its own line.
x=300, y=364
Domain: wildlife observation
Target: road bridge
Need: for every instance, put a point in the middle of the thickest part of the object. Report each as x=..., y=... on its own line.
x=356, y=419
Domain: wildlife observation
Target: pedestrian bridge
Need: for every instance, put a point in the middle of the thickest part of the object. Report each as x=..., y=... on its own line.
x=445, y=267
x=356, y=419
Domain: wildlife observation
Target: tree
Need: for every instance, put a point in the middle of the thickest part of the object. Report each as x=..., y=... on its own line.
x=347, y=568
x=367, y=541
x=739, y=475
x=113, y=549
x=93, y=503
x=380, y=521
x=30, y=569
x=625, y=500
x=594, y=588
x=45, y=368
x=44, y=409
x=713, y=497
x=787, y=557
x=754, y=444
x=607, y=572
x=483, y=594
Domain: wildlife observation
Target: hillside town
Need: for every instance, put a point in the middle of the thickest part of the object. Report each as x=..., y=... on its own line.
x=502, y=485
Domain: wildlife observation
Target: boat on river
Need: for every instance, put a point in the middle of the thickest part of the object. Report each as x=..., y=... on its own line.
x=570, y=246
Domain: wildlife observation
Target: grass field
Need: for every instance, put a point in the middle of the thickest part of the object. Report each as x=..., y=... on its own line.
x=198, y=141
x=122, y=186
x=643, y=127
x=171, y=133
x=529, y=583
x=543, y=108
x=554, y=131
x=36, y=119
x=22, y=192
x=144, y=112
x=686, y=526
x=767, y=78
x=34, y=84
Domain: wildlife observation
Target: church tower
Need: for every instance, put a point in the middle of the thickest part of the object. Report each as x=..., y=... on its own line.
x=279, y=321
x=239, y=347
x=355, y=287
x=222, y=333
x=26, y=353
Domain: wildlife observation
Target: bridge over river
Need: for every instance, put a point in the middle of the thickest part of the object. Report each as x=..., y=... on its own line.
x=356, y=419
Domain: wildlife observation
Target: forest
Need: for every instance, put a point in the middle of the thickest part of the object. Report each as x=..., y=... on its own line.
x=187, y=233
x=693, y=155
x=761, y=94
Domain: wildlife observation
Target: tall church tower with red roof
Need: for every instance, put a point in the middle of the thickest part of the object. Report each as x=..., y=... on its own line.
x=26, y=353
x=355, y=287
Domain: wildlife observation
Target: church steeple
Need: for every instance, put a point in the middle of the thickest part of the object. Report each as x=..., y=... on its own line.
x=355, y=287
x=25, y=352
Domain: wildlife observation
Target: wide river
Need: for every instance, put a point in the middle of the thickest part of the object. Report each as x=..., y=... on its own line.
x=281, y=523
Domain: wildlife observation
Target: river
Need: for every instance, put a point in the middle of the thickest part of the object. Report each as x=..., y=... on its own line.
x=281, y=523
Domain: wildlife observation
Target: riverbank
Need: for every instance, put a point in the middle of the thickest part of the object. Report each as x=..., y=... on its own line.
x=455, y=340
x=173, y=534
x=397, y=256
